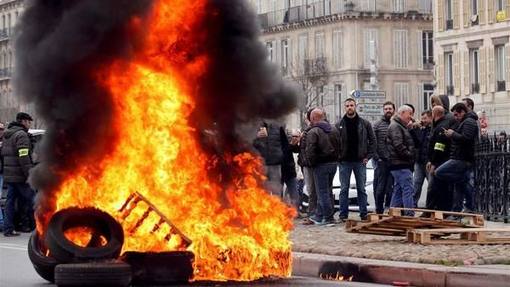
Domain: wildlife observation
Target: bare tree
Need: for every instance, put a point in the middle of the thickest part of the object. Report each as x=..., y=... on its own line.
x=310, y=75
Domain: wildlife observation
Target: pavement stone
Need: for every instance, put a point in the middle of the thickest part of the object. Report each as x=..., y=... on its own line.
x=334, y=240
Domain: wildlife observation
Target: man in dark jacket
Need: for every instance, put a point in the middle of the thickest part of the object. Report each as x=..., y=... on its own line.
x=357, y=140
x=402, y=153
x=270, y=142
x=289, y=174
x=16, y=153
x=322, y=148
x=421, y=136
x=383, y=180
x=458, y=168
x=439, y=193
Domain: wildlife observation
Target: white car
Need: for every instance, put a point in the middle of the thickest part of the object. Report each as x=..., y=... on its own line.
x=353, y=193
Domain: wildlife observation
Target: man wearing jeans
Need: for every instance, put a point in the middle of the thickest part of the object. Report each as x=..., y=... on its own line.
x=357, y=142
x=402, y=153
x=421, y=135
x=322, y=147
x=457, y=169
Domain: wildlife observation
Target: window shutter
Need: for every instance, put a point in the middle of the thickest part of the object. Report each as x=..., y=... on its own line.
x=507, y=67
x=491, y=72
x=466, y=73
x=456, y=72
x=292, y=61
x=483, y=69
x=419, y=96
x=366, y=43
x=490, y=11
x=405, y=39
x=419, y=49
x=440, y=14
x=466, y=9
x=440, y=75
x=481, y=11
x=395, y=49
x=456, y=14
x=277, y=50
x=507, y=15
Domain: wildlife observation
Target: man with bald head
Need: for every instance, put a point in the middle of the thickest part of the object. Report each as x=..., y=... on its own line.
x=439, y=193
x=321, y=152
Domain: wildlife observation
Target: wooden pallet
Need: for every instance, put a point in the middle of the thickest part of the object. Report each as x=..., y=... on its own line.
x=470, y=218
x=465, y=236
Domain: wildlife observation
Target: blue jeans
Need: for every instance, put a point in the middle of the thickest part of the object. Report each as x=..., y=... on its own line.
x=18, y=192
x=420, y=174
x=323, y=176
x=384, y=187
x=403, y=191
x=360, y=173
x=459, y=173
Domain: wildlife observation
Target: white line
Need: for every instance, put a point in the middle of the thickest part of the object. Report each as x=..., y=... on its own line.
x=13, y=247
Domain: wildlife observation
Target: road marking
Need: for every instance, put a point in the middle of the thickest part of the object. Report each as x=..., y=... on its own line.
x=13, y=247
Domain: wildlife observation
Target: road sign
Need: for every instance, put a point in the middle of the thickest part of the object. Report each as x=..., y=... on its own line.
x=370, y=104
x=356, y=93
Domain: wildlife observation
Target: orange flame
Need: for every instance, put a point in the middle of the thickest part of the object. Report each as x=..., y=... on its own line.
x=239, y=232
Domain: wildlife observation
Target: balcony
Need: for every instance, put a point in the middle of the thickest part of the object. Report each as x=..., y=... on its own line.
x=449, y=90
x=475, y=88
x=4, y=34
x=500, y=86
x=5, y=73
x=316, y=67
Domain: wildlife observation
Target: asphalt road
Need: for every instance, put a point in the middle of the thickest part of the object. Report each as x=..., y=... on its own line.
x=16, y=270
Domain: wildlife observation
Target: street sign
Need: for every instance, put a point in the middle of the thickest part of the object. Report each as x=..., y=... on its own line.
x=356, y=94
x=370, y=104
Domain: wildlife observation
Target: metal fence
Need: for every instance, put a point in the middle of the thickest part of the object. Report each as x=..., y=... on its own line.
x=492, y=177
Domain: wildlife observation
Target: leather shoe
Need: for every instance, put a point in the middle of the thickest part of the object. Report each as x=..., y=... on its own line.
x=11, y=233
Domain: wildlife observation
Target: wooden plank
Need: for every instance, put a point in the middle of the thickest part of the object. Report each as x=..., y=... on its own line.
x=466, y=236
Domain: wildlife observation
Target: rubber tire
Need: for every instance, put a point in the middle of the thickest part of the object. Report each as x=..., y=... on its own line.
x=65, y=251
x=160, y=268
x=93, y=274
x=43, y=265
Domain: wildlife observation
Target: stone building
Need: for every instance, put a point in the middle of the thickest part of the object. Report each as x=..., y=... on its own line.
x=472, y=52
x=383, y=45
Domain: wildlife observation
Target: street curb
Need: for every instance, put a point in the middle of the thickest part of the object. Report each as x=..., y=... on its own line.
x=387, y=272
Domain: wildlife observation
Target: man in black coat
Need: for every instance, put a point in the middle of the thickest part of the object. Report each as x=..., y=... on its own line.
x=421, y=136
x=16, y=154
x=462, y=159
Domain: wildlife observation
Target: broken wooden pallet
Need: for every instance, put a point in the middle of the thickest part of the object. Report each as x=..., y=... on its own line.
x=465, y=236
x=469, y=218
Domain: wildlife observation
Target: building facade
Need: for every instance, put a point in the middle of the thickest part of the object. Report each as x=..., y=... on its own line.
x=472, y=52
x=10, y=12
x=383, y=45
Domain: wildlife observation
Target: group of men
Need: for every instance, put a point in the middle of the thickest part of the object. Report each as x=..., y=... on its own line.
x=439, y=148
x=16, y=158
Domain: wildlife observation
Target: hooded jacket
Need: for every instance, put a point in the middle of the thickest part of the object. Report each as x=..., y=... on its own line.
x=464, y=139
x=322, y=144
x=16, y=153
x=366, y=139
x=401, y=145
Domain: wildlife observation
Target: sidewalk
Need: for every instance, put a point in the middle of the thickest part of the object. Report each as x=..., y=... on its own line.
x=333, y=240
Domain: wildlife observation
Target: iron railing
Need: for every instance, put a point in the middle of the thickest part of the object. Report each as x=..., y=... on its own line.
x=492, y=177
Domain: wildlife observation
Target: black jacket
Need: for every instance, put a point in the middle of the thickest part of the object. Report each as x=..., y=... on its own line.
x=464, y=139
x=300, y=149
x=271, y=147
x=288, y=164
x=401, y=145
x=366, y=139
x=322, y=144
x=421, y=137
x=16, y=153
x=381, y=131
x=439, y=144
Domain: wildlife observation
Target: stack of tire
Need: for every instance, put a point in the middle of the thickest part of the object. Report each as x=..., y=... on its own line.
x=59, y=260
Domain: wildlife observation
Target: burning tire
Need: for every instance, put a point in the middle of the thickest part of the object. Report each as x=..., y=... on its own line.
x=102, y=224
x=160, y=268
x=43, y=265
x=93, y=274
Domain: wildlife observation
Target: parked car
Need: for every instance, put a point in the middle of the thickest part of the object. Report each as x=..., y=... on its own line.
x=353, y=193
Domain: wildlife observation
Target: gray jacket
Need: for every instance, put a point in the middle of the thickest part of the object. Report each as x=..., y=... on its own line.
x=400, y=144
x=366, y=139
x=381, y=131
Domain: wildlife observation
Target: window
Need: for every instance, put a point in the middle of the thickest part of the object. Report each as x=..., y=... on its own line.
x=474, y=7
x=474, y=71
x=302, y=50
x=428, y=91
x=269, y=47
x=338, y=93
x=337, y=49
x=500, y=5
x=449, y=15
x=368, y=5
x=428, y=49
x=400, y=48
x=285, y=56
x=500, y=67
x=370, y=46
x=401, y=93
x=398, y=6
x=319, y=45
x=449, y=73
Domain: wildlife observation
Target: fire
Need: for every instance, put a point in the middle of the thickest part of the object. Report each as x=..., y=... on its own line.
x=337, y=277
x=238, y=231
